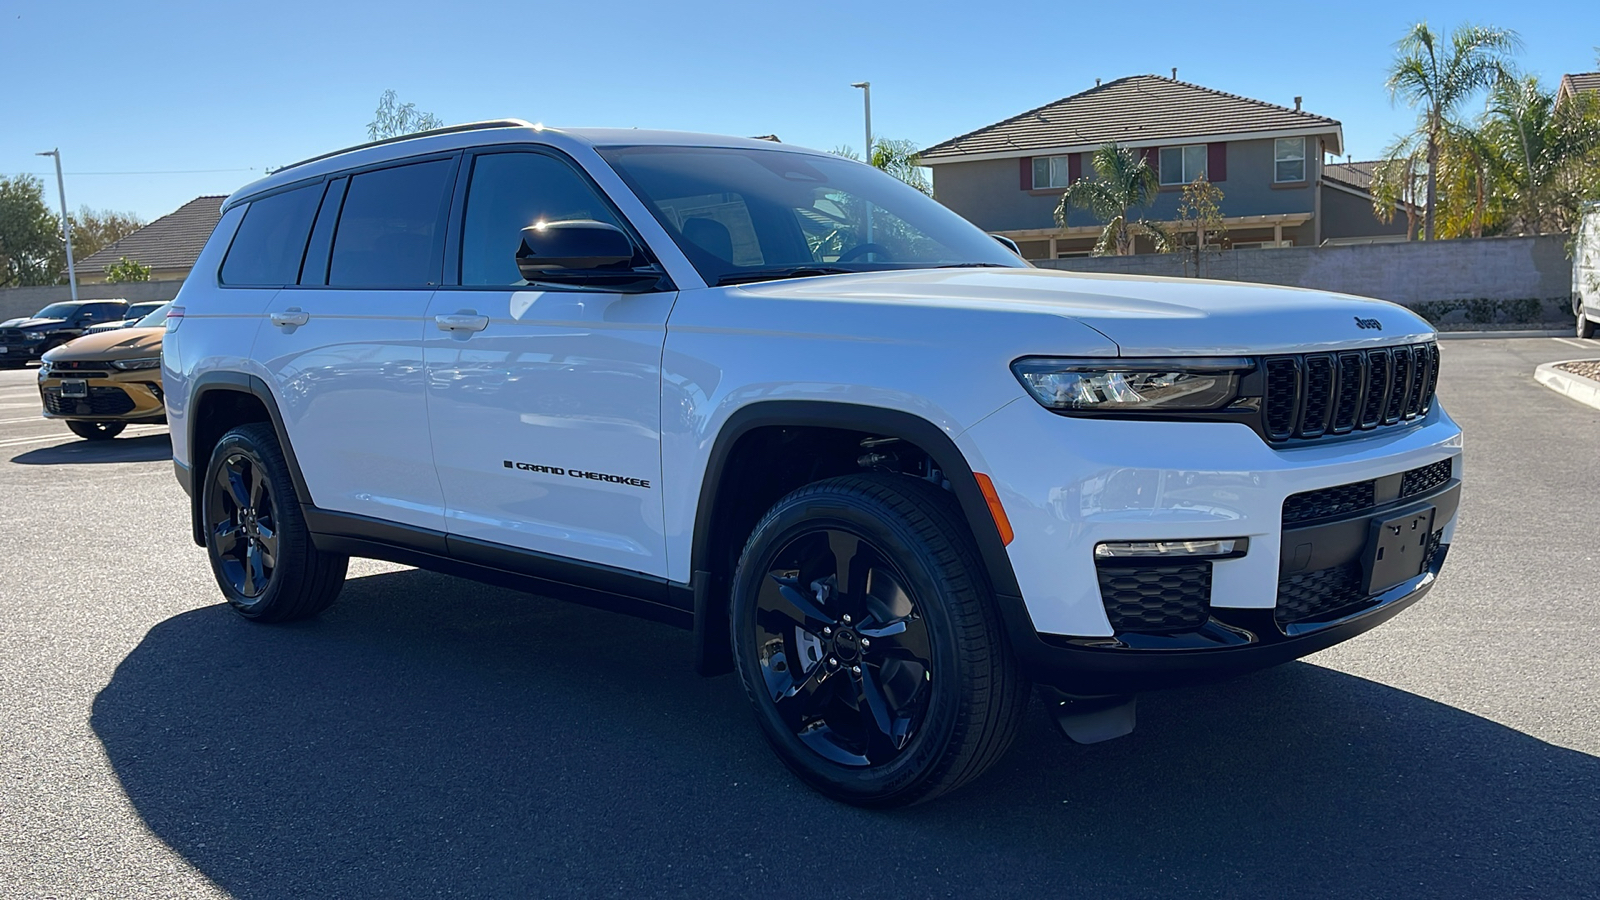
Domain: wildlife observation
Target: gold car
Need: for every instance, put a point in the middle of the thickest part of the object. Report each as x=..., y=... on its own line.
x=101, y=383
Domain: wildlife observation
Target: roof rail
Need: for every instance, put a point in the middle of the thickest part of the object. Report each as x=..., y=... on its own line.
x=448, y=129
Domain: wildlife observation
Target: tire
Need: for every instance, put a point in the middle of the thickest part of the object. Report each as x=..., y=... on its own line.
x=256, y=536
x=97, y=431
x=1586, y=326
x=941, y=697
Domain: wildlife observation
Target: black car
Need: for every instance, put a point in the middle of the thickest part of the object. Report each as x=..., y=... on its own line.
x=29, y=337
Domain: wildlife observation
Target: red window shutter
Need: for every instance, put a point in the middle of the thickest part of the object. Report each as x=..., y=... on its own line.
x=1152, y=158
x=1216, y=162
x=1074, y=168
x=1027, y=173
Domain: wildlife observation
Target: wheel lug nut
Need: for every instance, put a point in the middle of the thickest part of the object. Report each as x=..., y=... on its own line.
x=847, y=618
x=826, y=629
x=832, y=661
x=856, y=669
x=865, y=643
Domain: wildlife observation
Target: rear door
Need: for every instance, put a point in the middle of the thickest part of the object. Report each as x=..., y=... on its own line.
x=344, y=346
x=545, y=405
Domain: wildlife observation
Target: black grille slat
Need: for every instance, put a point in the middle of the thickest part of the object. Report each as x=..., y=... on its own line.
x=1399, y=386
x=1432, y=381
x=1317, y=396
x=1156, y=599
x=1282, y=401
x=1347, y=405
x=1426, y=478
x=1378, y=371
x=1342, y=499
x=1421, y=367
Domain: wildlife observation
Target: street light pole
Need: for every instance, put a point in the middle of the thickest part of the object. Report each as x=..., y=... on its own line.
x=66, y=224
x=866, y=101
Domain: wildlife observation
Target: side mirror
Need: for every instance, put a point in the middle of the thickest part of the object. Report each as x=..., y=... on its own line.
x=1008, y=243
x=574, y=251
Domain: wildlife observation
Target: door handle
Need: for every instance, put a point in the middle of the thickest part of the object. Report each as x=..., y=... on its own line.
x=294, y=315
x=461, y=322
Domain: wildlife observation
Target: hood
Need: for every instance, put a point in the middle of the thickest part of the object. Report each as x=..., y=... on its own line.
x=1144, y=316
x=104, y=346
x=27, y=323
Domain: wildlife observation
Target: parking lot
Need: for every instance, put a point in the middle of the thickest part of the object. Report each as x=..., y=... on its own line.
x=429, y=736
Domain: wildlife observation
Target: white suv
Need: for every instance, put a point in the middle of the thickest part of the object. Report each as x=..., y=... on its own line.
x=884, y=469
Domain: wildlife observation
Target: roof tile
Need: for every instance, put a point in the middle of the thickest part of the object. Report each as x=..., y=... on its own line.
x=173, y=241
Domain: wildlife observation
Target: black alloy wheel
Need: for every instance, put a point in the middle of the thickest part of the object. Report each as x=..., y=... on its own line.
x=96, y=431
x=242, y=516
x=866, y=636
x=261, y=552
x=843, y=649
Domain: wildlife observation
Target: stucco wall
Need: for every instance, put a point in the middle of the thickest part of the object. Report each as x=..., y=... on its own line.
x=28, y=300
x=1444, y=279
x=1346, y=215
x=989, y=192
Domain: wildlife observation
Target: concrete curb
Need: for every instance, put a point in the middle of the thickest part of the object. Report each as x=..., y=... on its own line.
x=1579, y=388
x=1475, y=335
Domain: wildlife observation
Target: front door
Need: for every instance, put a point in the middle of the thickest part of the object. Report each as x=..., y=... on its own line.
x=545, y=405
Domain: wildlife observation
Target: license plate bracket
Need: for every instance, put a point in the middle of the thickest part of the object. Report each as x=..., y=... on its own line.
x=76, y=388
x=1397, y=549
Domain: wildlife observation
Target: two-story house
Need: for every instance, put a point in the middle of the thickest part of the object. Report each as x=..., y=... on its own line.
x=1266, y=159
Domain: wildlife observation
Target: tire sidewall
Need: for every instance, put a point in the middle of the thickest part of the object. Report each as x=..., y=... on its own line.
x=790, y=519
x=236, y=442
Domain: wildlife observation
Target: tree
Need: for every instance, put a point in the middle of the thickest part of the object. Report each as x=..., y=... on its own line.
x=1397, y=181
x=30, y=235
x=95, y=230
x=1438, y=80
x=125, y=269
x=1545, y=156
x=393, y=118
x=896, y=157
x=1125, y=182
x=1200, y=225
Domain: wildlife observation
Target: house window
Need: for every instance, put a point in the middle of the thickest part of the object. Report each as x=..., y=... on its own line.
x=1289, y=159
x=1050, y=172
x=1181, y=165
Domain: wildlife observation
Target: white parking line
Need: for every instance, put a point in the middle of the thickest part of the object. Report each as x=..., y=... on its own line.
x=24, y=419
x=17, y=442
x=1580, y=343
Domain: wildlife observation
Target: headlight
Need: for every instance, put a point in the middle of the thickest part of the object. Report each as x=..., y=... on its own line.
x=149, y=362
x=1133, y=385
x=35, y=335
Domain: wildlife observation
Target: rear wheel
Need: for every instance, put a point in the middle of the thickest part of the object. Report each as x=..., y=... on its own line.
x=97, y=431
x=1586, y=325
x=867, y=640
x=260, y=548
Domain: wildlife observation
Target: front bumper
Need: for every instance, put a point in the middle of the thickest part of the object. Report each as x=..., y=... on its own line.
x=1068, y=484
x=112, y=396
x=20, y=351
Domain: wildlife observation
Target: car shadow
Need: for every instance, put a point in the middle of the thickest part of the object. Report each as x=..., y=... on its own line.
x=144, y=448
x=432, y=736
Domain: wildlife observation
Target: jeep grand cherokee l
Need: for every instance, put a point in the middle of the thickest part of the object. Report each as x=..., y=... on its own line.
x=883, y=469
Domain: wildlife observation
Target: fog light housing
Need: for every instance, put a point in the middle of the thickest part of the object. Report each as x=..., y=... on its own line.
x=1207, y=548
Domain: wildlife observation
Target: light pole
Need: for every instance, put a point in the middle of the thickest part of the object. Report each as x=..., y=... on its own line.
x=866, y=101
x=66, y=224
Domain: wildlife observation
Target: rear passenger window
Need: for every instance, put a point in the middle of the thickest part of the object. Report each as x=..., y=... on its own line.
x=509, y=192
x=389, y=229
x=271, y=240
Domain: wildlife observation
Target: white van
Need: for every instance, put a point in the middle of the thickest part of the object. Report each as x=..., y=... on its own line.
x=1586, y=271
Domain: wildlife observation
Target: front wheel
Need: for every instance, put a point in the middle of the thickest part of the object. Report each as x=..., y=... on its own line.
x=1586, y=326
x=97, y=431
x=261, y=551
x=869, y=644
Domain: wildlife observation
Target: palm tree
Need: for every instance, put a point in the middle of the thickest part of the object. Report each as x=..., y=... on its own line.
x=1437, y=80
x=1126, y=182
x=896, y=157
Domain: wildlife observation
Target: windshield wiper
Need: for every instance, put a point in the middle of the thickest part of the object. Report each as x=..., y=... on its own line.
x=774, y=274
x=973, y=266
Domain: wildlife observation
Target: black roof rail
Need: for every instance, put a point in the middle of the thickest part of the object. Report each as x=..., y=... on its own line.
x=448, y=129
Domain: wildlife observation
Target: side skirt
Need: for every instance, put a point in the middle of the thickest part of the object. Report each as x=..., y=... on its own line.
x=603, y=587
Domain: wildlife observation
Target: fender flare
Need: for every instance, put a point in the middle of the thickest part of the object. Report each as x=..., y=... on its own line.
x=236, y=383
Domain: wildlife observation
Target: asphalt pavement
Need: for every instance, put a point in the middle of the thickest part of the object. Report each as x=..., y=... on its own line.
x=434, y=737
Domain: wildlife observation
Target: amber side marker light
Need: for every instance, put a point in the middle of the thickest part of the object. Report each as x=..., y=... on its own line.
x=995, y=509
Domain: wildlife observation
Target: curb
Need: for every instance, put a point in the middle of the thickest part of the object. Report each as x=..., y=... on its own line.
x=1476, y=335
x=1584, y=390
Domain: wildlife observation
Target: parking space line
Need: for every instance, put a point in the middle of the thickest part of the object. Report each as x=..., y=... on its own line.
x=1582, y=344
x=24, y=419
x=17, y=442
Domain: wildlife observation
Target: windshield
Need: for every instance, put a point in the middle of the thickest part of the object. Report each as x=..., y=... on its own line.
x=157, y=316
x=140, y=310
x=57, y=311
x=745, y=215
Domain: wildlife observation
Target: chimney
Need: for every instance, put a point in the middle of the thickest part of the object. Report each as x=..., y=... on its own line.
x=1097, y=82
x=1297, y=104
x=1174, y=73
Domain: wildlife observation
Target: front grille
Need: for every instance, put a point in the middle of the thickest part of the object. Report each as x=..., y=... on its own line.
x=1360, y=495
x=1154, y=599
x=1310, y=395
x=11, y=335
x=1326, y=593
x=102, y=401
x=79, y=365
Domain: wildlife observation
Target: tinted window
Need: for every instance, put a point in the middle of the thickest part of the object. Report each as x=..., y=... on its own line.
x=388, y=233
x=271, y=240
x=509, y=192
x=102, y=311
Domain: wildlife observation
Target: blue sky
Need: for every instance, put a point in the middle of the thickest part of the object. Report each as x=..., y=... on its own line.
x=168, y=90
